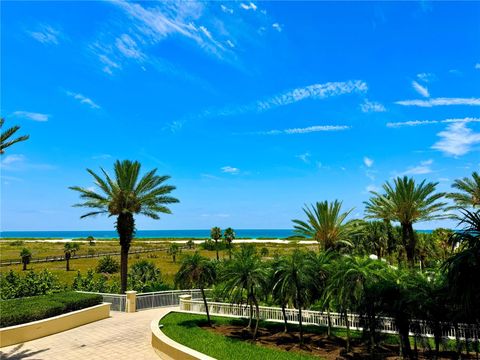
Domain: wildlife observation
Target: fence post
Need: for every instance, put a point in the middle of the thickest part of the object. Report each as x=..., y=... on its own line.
x=131, y=305
x=185, y=303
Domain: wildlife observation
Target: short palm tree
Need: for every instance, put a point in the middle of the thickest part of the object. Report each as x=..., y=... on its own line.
x=469, y=188
x=26, y=256
x=408, y=202
x=7, y=134
x=70, y=248
x=123, y=197
x=173, y=251
x=198, y=272
x=326, y=223
x=246, y=274
x=216, y=234
x=229, y=236
x=294, y=278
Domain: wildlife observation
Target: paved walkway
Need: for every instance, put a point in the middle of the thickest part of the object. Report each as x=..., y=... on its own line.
x=122, y=336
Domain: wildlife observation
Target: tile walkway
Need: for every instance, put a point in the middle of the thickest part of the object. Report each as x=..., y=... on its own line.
x=122, y=336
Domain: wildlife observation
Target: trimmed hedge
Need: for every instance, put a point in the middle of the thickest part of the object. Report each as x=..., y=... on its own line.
x=24, y=310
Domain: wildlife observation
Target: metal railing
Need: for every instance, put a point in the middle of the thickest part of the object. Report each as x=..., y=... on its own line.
x=356, y=322
x=118, y=301
x=164, y=298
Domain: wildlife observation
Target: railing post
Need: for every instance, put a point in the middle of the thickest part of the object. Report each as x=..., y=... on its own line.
x=131, y=305
x=185, y=303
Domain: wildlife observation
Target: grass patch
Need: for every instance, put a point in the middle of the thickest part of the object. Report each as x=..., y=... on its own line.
x=186, y=329
x=24, y=310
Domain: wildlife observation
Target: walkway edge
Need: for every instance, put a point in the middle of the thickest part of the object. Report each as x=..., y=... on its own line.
x=168, y=349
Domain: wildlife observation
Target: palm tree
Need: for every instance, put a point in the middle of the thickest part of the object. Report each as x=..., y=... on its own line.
x=293, y=278
x=26, y=256
x=70, y=248
x=123, y=197
x=327, y=225
x=469, y=194
x=199, y=272
x=5, y=135
x=216, y=234
x=246, y=273
x=145, y=276
x=174, y=250
x=376, y=210
x=229, y=236
x=407, y=203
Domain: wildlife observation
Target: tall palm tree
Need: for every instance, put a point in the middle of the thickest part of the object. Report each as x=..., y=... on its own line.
x=229, y=236
x=216, y=234
x=173, y=250
x=123, y=197
x=199, y=272
x=293, y=278
x=26, y=256
x=7, y=134
x=246, y=274
x=70, y=248
x=376, y=210
x=469, y=188
x=407, y=203
x=327, y=225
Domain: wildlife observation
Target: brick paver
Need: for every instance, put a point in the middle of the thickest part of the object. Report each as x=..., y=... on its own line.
x=122, y=336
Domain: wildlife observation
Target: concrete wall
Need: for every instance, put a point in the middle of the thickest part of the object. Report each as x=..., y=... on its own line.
x=37, y=329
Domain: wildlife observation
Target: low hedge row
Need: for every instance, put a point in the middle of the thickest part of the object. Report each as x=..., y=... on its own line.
x=24, y=310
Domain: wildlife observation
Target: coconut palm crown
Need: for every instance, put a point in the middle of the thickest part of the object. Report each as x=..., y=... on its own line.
x=469, y=188
x=5, y=136
x=124, y=196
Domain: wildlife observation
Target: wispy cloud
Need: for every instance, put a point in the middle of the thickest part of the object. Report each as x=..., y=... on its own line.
x=422, y=90
x=456, y=140
x=426, y=77
x=477, y=66
x=440, y=102
x=429, y=122
x=423, y=168
x=305, y=157
x=230, y=170
x=305, y=130
x=277, y=27
x=249, y=6
x=367, y=161
x=20, y=162
x=83, y=99
x=372, y=106
x=174, y=126
x=226, y=9
x=371, y=188
x=46, y=34
x=31, y=115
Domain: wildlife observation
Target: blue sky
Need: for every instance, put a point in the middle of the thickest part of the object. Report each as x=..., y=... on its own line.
x=254, y=109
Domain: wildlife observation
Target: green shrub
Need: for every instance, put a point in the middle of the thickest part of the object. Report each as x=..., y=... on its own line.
x=95, y=283
x=16, y=243
x=108, y=265
x=20, y=311
x=13, y=285
x=210, y=245
x=145, y=276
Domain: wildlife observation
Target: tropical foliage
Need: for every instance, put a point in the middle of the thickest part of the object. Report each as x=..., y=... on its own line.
x=26, y=256
x=216, y=234
x=5, y=136
x=70, y=248
x=469, y=191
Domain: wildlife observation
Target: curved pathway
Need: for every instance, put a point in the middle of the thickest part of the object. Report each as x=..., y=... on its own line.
x=122, y=336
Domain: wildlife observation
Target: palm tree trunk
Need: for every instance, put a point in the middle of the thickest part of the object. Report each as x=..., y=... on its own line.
x=300, y=325
x=67, y=258
x=206, y=307
x=409, y=242
x=257, y=317
x=24, y=265
x=348, y=330
x=329, y=320
x=216, y=248
x=284, y=317
x=125, y=228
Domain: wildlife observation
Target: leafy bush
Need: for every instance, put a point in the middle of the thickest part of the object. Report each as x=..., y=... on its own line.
x=108, y=265
x=16, y=243
x=210, y=245
x=20, y=311
x=145, y=276
x=13, y=285
x=95, y=283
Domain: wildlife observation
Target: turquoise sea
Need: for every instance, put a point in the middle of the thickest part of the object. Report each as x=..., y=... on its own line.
x=193, y=234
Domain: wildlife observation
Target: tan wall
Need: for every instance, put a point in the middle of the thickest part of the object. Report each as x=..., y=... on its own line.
x=168, y=349
x=37, y=329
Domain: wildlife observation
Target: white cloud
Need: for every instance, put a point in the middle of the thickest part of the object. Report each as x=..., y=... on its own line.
x=20, y=162
x=83, y=99
x=456, y=140
x=305, y=157
x=226, y=9
x=230, y=43
x=12, y=159
x=306, y=130
x=440, y=102
x=128, y=47
x=423, y=168
x=477, y=66
x=277, y=27
x=422, y=90
x=426, y=77
x=428, y=122
x=367, y=161
x=250, y=6
x=31, y=115
x=230, y=170
x=46, y=35
x=372, y=106
x=174, y=126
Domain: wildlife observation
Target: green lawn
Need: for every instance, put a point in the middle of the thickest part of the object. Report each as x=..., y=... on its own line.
x=184, y=328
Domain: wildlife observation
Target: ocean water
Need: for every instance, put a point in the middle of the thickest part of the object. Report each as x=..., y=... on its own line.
x=172, y=234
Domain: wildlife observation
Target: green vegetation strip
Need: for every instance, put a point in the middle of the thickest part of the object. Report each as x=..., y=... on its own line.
x=24, y=310
x=186, y=329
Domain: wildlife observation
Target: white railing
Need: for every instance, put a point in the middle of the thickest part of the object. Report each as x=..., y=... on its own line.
x=384, y=324
x=118, y=301
x=164, y=298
